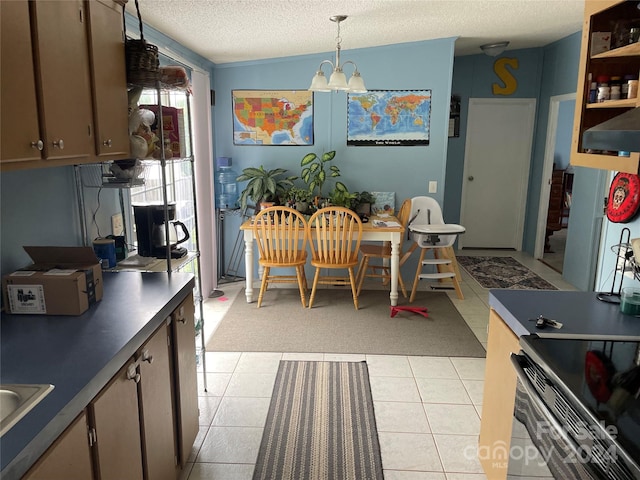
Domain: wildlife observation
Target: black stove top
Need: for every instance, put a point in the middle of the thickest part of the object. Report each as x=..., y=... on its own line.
x=603, y=377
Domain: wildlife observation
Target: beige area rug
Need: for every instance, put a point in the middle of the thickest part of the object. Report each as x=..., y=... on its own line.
x=334, y=326
x=320, y=424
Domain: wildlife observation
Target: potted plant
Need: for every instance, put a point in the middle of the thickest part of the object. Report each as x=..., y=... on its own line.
x=313, y=171
x=362, y=203
x=341, y=197
x=301, y=198
x=264, y=185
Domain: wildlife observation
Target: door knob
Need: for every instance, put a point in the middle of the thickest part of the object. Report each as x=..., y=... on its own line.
x=39, y=145
x=470, y=178
x=59, y=144
x=107, y=143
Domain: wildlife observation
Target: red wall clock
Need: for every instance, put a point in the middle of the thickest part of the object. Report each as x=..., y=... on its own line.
x=624, y=197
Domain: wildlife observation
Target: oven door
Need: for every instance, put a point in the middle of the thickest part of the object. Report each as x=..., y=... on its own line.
x=540, y=446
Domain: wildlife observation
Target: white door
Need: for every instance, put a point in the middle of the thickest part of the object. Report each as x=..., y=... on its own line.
x=496, y=172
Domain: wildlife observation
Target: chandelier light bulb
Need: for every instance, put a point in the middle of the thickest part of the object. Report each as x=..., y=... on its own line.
x=338, y=79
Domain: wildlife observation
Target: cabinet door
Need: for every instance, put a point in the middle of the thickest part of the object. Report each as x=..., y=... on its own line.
x=109, y=80
x=69, y=458
x=498, y=399
x=62, y=65
x=19, y=123
x=116, y=421
x=184, y=352
x=156, y=410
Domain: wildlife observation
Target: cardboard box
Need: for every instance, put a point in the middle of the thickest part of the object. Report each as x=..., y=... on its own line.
x=174, y=128
x=61, y=281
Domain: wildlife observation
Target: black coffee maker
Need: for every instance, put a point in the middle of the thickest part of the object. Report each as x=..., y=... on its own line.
x=151, y=227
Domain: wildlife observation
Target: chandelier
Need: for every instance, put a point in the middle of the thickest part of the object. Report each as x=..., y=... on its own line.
x=338, y=80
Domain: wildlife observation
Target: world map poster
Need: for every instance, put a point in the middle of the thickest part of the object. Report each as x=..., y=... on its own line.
x=388, y=117
x=272, y=117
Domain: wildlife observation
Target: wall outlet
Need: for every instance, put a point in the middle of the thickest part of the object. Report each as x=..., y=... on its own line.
x=117, y=225
x=433, y=187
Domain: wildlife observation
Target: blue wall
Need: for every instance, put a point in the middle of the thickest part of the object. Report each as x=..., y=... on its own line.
x=562, y=150
x=403, y=170
x=541, y=74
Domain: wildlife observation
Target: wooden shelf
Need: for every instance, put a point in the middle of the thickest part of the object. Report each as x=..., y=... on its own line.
x=599, y=16
x=624, y=103
x=632, y=50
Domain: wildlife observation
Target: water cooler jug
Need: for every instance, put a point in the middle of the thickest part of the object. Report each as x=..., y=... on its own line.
x=226, y=185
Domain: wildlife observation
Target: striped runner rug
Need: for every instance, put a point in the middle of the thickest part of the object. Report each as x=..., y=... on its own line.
x=320, y=424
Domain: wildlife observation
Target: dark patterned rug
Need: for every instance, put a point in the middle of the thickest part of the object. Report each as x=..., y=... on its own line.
x=320, y=424
x=502, y=272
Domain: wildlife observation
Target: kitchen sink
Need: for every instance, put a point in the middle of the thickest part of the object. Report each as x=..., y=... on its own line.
x=16, y=400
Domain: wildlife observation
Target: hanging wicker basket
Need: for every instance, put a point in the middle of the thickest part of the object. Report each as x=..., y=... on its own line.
x=143, y=65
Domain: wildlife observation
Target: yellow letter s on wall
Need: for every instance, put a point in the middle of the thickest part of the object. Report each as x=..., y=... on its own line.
x=509, y=81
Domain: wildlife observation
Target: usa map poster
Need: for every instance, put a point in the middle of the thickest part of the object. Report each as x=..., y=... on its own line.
x=272, y=117
x=388, y=118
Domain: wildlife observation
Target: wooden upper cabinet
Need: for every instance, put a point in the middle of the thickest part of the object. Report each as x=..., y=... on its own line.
x=602, y=16
x=62, y=72
x=21, y=140
x=108, y=78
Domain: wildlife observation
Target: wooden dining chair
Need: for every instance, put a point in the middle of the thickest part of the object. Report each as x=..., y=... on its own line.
x=382, y=252
x=281, y=236
x=334, y=237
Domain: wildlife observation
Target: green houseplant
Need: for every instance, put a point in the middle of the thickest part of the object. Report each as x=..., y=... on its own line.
x=263, y=185
x=341, y=197
x=363, y=201
x=314, y=173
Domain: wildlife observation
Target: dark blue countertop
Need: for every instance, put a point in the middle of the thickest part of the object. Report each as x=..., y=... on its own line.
x=583, y=316
x=78, y=355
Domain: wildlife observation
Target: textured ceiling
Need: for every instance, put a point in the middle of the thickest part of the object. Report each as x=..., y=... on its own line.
x=226, y=31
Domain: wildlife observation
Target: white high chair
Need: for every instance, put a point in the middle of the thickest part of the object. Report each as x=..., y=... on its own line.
x=428, y=230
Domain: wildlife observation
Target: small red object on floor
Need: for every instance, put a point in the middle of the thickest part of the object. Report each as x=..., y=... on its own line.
x=419, y=310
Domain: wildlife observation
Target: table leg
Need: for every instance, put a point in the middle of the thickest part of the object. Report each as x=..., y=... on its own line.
x=248, y=264
x=395, y=266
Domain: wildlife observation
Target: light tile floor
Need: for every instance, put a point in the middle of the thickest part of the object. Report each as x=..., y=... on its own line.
x=427, y=409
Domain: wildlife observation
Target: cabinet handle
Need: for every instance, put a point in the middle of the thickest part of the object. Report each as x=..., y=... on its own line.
x=107, y=143
x=58, y=143
x=93, y=438
x=182, y=320
x=39, y=145
x=146, y=356
x=132, y=374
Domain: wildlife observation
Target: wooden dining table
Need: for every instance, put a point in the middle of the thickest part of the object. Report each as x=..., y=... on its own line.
x=378, y=228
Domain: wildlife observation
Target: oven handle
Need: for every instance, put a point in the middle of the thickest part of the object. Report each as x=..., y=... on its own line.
x=540, y=405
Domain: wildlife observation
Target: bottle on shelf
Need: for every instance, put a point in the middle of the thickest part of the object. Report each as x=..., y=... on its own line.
x=226, y=185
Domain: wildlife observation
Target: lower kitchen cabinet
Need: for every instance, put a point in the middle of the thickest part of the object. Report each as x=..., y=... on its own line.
x=156, y=408
x=498, y=399
x=143, y=423
x=115, y=428
x=183, y=322
x=69, y=458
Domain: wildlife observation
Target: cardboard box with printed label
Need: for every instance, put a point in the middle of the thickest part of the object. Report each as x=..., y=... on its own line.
x=61, y=281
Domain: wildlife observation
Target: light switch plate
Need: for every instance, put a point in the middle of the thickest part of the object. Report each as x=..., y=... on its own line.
x=433, y=187
x=117, y=226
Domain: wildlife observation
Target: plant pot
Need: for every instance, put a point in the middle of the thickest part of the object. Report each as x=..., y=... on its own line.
x=302, y=207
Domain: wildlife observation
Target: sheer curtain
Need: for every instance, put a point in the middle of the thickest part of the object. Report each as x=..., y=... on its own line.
x=203, y=154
